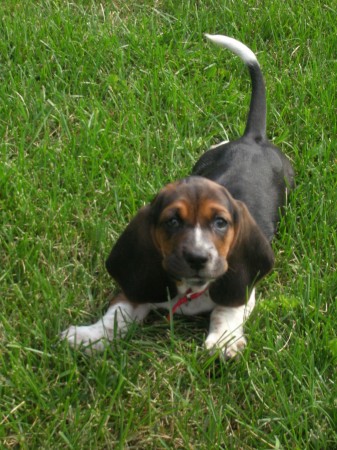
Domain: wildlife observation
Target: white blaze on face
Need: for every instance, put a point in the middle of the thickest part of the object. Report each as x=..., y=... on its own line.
x=199, y=240
x=203, y=243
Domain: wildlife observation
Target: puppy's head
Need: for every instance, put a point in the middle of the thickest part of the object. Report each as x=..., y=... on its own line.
x=195, y=232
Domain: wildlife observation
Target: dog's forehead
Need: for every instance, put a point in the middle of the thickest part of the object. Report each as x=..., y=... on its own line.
x=196, y=189
x=195, y=196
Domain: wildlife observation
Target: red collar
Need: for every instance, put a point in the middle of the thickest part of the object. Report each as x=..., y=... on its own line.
x=189, y=295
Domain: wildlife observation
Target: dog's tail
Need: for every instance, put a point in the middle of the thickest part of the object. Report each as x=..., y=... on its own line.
x=256, y=122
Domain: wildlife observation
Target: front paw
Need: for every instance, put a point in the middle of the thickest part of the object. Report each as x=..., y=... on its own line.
x=90, y=338
x=230, y=347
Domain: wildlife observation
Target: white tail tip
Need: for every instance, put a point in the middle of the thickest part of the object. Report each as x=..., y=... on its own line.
x=235, y=46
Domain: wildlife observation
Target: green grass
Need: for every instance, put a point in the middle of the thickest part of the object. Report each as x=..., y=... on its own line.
x=101, y=104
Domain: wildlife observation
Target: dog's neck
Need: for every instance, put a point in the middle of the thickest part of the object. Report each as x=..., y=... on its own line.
x=183, y=286
x=187, y=295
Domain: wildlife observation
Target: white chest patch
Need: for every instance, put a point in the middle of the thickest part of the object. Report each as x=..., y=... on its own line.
x=199, y=305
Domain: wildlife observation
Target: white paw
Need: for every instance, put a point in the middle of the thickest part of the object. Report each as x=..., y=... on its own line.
x=230, y=346
x=92, y=337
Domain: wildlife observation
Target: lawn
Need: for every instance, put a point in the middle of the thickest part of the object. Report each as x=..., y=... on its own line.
x=102, y=103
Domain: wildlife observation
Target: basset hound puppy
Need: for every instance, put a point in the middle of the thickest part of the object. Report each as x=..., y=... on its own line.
x=204, y=242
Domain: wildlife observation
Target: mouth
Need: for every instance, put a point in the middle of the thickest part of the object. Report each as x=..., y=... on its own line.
x=178, y=271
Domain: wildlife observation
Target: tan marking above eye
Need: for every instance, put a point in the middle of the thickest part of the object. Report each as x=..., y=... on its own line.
x=209, y=210
x=179, y=208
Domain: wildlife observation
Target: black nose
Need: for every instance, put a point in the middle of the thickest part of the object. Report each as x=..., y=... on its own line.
x=196, y=259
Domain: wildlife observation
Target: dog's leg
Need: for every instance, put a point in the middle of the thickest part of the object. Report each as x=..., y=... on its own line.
x=226, y=327
x=114, y=323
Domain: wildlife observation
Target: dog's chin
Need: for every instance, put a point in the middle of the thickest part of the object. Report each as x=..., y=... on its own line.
x=198, y=282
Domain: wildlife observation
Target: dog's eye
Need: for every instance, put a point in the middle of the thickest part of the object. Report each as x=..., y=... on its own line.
x=174, y=222
x=220, y=223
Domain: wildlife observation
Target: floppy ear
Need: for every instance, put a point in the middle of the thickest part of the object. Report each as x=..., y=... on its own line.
x=136, y=264
x=250, y=259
